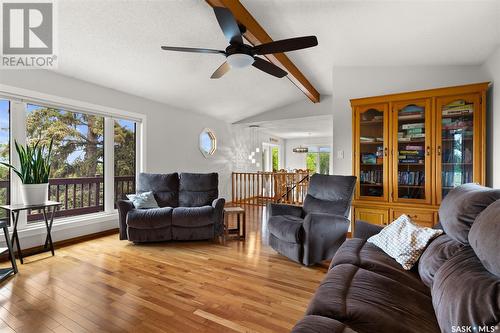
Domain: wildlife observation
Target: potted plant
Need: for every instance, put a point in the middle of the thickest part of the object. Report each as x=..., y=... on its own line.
x=34, y=171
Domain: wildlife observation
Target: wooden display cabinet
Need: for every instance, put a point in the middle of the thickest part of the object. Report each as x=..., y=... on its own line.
x=410, y=149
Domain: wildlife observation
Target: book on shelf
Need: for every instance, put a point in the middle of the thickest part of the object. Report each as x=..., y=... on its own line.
x=411, y=152
x=457, y=112
x=371, y=177
x=416, y=136
x=369, y=158
x=404, y=139
x=415, y=125
x=411, y=161
x=414, y=147
x=366, y=139
x=415, y=131
x=379, y=139
x=452, y=178
x=412, y=178
x=410, y=117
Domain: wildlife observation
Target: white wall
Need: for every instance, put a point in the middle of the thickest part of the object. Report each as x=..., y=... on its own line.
x=297, y=160
x=242, y=144
x=302, y=109
x=491, y=69
x=355, y=82
x=171, y=135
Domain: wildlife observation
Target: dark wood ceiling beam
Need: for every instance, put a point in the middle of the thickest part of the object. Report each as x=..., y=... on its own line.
x=256, y=35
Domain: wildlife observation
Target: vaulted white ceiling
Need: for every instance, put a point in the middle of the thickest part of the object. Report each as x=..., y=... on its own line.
x=116, y=43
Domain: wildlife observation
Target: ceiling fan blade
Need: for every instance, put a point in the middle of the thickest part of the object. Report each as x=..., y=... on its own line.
x=228, y=25
x=192, y=49
x=286, y=45
x=269, y=68
x=219, y=72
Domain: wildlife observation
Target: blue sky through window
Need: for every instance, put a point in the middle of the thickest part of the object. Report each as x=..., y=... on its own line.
x=4, y=121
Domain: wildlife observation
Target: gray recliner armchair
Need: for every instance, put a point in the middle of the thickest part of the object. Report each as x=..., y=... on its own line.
x=314, y=232
x=189, y=209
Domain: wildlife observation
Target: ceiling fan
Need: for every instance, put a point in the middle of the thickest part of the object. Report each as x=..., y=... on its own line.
x=241, y=55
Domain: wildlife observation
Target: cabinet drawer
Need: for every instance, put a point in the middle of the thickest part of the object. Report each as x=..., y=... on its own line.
x=423, y=218
x=378, y=216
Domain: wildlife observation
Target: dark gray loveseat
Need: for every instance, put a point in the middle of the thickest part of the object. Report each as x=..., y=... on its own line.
x=189, y=209
x=454, y=288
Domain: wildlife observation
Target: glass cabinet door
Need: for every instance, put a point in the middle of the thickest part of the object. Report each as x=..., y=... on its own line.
x=411, y=151
x=371, y=154
x=458, y=126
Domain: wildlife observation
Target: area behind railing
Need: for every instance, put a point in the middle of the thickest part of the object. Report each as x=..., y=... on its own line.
x=78, y=196
x=259, y=188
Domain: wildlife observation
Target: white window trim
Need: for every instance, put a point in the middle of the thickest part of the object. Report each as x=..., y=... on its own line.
x=20, y=97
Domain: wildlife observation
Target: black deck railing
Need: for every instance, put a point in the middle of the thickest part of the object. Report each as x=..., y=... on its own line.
x=82, y=195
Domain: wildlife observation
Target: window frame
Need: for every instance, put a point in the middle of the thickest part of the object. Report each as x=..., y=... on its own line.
x=19, y=98
x=317, y=151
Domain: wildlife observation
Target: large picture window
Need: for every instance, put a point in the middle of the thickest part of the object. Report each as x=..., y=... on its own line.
x=4, y=155
x=125, y=158
x=318, y=160
x=77, y=167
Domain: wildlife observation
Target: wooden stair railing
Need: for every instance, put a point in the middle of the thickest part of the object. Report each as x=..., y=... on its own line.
x=259, y=188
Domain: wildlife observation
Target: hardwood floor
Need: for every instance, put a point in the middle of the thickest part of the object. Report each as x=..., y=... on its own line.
x=107, y=285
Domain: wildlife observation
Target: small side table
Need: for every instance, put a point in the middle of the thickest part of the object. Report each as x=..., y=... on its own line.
x=240, y=229
x=46, y=208
x=6, y=272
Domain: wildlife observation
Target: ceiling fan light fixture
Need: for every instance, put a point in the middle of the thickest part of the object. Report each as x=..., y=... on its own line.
x=239, y=60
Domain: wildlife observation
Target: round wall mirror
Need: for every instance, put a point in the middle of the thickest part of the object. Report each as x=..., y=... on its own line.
x=208, y=142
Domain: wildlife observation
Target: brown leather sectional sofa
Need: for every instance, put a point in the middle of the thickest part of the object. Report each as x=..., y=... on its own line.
x=455, y=287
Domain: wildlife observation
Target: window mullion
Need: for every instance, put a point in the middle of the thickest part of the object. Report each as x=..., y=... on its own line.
x=109, y=162
x=17, y=133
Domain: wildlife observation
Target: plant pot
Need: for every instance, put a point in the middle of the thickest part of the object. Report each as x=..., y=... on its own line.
x=35, y=194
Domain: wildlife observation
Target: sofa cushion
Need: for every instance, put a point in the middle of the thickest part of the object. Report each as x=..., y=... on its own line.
x=484, y=238
x=143, y=200
x=318, y=324
x=370, y=302
x=461, y=206
x=164, y=186
x=404, y=241
x=321, y=198
x=435, y=255
x=464, y=293
x=287, y=228
x=192, y=217
x=358, y=252
x=146, y=235
x=196, y=189
x=153, y=218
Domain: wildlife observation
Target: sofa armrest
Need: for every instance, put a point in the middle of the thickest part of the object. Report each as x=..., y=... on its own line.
x=365, y=230
x=274, y=209
x=218, y=205
x=323, y=235
x=124, y=206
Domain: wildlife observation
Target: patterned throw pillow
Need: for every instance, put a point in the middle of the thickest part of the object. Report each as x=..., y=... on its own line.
x=143, y=200
x=404, y=241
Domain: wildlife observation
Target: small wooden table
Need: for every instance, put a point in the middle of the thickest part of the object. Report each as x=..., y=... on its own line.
x=45, y=207
x=240, y=229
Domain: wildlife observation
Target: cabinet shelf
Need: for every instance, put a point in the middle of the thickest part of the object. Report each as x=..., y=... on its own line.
x=369, y=122
x=411, y=186
x=448, y=164
x=373, y=185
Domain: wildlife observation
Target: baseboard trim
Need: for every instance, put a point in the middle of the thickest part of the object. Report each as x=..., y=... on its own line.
x=62, y=243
